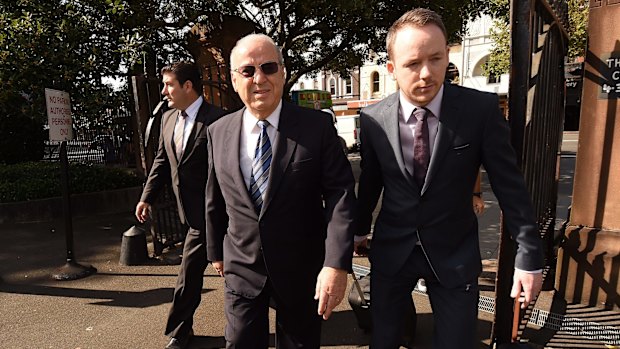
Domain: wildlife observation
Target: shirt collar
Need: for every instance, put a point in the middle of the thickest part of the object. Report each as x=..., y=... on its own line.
x=249, y=120
x=406, y=107
x=192, y=110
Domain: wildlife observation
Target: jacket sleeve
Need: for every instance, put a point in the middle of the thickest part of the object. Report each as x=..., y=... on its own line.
x=215, y=209
x=160, y=171
x=338, y=191
x=370, y=181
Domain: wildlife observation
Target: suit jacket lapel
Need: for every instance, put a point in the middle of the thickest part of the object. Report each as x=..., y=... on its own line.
x=199, y=124
x=448, y=123
x=231, y=151
x=168, y=130
x=284, y=149
x=390, y=124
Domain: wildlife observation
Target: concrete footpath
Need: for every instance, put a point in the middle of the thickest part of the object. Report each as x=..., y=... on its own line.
x=126, y=306
x=122, y=306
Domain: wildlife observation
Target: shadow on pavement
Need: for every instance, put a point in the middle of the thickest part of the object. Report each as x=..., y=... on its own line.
x=141, y=299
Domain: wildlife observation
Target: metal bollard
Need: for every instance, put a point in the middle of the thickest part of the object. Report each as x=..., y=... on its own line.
x=133, y=247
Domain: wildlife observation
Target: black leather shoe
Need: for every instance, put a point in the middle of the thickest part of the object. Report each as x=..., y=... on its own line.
x=180, y=342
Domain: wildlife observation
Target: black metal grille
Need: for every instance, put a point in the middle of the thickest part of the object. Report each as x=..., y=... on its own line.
x=108, y=144
x=536, y=115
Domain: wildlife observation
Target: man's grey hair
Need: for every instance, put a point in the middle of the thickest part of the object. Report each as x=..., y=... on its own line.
x=257, y=37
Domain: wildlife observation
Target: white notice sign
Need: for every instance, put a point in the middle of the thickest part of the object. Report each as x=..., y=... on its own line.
x=59, y=115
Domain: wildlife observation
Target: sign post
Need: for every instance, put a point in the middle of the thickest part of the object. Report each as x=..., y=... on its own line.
x=61, y=129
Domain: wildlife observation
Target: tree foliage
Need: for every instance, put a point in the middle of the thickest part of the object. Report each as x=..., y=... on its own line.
x=314, y=34
x=68, y=46
x=577, y=27
x=499, y=59
x=73, y=45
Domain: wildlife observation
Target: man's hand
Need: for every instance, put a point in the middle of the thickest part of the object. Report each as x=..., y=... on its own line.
x=219, y=267
x=361, y=245
x=531, y=283
x=478, y=205
x=331, y=285
x=142, y=211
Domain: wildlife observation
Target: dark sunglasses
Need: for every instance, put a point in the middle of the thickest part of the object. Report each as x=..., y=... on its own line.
x=268, y=68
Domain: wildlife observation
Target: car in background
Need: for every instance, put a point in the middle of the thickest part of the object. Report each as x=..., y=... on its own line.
x=348, y=127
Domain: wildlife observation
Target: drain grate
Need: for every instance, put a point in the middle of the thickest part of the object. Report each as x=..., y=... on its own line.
x=571, y=325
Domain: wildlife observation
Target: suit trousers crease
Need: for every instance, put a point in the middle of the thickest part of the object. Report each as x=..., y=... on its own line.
x=188, y=289
x=455, y=310
x=247, y=324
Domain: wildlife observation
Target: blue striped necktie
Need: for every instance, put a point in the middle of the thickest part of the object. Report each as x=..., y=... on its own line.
x=260, y=166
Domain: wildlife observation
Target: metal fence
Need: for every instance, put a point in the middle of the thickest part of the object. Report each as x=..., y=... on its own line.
x=108, y=145
x=536, y=116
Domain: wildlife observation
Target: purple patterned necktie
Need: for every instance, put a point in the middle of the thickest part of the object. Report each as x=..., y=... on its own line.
x=421, y=147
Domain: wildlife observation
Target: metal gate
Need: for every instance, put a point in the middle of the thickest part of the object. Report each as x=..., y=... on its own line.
x=536, y=116
x=166, y=227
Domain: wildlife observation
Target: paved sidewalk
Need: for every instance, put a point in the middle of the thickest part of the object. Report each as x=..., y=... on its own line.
x=126, y=306
x=121, y=306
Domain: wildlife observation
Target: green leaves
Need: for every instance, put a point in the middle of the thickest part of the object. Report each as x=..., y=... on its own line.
x=39, y=180
x=499, y=60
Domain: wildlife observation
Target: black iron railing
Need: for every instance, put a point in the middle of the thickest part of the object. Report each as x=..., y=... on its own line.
x=536, y=116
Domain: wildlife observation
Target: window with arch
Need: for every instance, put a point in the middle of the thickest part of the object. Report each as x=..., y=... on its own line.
x=332, y=86
x=452, y=73
x=493, y=78
x=302, y=86
x=348, y=86
x=374, y=77
x=479, y=70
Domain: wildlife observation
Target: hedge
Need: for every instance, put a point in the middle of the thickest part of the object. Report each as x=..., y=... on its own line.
x=39, y=180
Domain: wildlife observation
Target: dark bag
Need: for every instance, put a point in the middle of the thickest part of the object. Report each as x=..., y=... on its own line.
x=361, y=309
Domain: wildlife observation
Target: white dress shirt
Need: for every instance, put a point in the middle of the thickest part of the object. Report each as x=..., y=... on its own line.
x=190, y=120
x=249, y=138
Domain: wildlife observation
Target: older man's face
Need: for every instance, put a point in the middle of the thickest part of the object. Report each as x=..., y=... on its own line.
x=261, y=93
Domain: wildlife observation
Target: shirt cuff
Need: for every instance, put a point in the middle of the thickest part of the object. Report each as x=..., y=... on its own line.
x=360, y=238
x=537, y=271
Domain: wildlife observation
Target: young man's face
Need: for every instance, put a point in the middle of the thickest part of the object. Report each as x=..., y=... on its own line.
x=261, y=93
x=418, y=62
x=179, y=96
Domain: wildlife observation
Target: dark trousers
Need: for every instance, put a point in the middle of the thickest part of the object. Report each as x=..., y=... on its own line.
x=247, y=327
x=455, y=310
x=188, y=289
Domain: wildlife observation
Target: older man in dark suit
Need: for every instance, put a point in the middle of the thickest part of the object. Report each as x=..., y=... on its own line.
x=422, y=147
x=181, y=160
x=280, y=200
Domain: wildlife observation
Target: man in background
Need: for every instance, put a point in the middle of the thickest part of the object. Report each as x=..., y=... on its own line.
x=181, y=160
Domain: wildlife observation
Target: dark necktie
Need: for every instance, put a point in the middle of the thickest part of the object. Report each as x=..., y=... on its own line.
x=260, y=167
x=421, y=147
x=179, y=129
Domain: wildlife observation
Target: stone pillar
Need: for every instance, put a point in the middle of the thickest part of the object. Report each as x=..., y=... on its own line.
x=589, y=260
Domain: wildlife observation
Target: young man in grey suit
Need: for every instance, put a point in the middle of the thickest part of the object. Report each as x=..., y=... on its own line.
x=280, y=200
x=422, y=146
x=181, y=160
